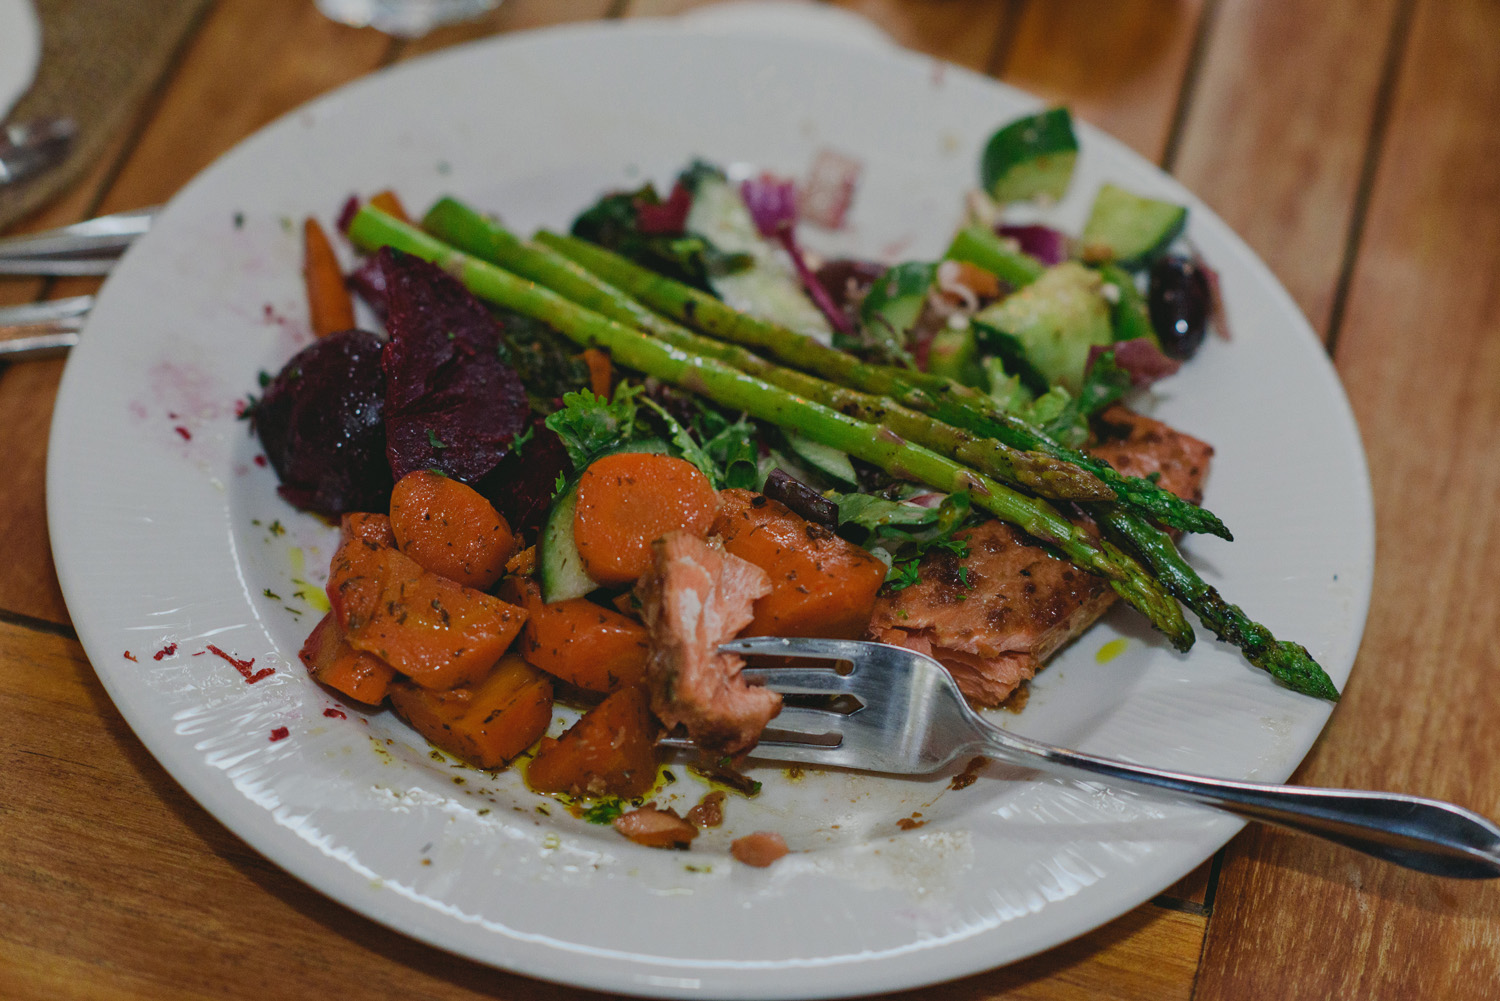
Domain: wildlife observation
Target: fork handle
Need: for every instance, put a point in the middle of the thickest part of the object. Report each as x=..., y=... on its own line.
x=1422, y=834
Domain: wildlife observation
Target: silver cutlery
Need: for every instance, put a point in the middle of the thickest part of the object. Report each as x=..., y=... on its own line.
x=42, y=329
x=87, y=248
x=30, y=147
x=912, y=719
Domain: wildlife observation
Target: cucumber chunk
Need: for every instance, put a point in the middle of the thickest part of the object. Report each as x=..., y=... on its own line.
x=954, y=354
x=895, y=300
x=1032, y=157
x=825, y=459
x=1055, y=320
x=769, y=288
x=558, y=561
x=559, y=564
x=1129, y=229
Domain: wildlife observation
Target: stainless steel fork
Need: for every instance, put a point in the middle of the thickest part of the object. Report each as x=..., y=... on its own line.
x=911, y=718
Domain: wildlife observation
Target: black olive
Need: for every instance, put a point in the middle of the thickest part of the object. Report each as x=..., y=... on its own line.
x=1180, y=301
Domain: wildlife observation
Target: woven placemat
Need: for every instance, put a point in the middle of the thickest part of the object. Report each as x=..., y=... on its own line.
x=100, y=60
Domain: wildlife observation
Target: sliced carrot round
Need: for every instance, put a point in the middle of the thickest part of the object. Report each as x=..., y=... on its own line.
x=450, y=529
x=627, y=501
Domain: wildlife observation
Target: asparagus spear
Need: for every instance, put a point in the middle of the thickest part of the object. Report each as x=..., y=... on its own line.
x=943, y=399
x=958, y=405
x=1289, y=663
x=729, y=387
x=462, y=227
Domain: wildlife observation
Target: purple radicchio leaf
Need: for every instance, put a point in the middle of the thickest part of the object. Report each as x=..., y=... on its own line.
x=772, y=202
x=1048, y=245
x=1140, y=358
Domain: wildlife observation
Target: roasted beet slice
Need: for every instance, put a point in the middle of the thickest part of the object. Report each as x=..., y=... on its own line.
x=321, y=424
x=451, y=403
x=522, y=485
x=368, y=282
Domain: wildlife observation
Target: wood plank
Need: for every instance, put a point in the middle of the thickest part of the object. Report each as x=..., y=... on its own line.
x=1280, y=159
x=511, y=15
x=970, y=33
x=1119, y=66
x=1419, y=356
x=28, y=583
x=84, y=802
x=967, y=32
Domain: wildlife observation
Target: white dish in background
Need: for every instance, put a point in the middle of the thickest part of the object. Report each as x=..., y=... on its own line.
x=165, y=531
x=20, y=51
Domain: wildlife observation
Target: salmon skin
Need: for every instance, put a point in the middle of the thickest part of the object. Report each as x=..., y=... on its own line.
x=995, y=617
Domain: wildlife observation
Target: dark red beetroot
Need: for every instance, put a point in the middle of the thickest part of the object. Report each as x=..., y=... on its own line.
x=521, y=486
x=451, y=404
x=320, y=422
x=368, y=282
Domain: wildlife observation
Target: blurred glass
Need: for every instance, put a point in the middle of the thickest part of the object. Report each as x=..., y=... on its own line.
x=407, y=18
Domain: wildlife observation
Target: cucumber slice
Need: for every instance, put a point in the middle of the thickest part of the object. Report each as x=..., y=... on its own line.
x=1129, y=315
x=1128, y=229
x=954, y=354
x=1032, y=157
x=1055, y=321
x=825, y=459
x=558, y=562
x=769, y=288
x=895, y=300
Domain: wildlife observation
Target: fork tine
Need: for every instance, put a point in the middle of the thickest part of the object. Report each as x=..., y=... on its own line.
x=806, y=722
x=799, y=680
x=782, y=646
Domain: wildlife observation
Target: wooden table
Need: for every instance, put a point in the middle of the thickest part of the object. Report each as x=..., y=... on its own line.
x=1352, y=143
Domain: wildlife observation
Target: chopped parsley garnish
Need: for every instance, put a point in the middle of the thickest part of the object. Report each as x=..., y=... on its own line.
x=604, y=812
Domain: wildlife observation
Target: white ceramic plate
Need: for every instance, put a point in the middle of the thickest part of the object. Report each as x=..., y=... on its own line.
x=166, y=531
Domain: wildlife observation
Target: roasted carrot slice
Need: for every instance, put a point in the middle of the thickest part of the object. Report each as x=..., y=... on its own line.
x=333, y=662
x=375, y=528
x=356, y=576
x=578, y=641
x=610, y=751
x=523, y=563
x=821, y=585
x=387, y=202
x=486, y=723
x=628, y=500
x=436, y=632
x=601, y=372
x=450, y=529
x=329, y=305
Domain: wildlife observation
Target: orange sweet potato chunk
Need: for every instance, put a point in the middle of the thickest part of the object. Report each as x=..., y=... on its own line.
x=486, y=723
x=821, y=585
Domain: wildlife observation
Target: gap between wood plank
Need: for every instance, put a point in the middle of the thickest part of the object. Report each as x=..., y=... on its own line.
x=1385, y=97
x=38, y=625
x=1191, y=73
x=1005, y=38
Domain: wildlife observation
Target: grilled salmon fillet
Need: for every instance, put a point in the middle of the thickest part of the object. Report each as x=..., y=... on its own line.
x=995, y=617
x=696, y=596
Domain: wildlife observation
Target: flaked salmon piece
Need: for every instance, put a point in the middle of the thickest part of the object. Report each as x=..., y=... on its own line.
x=995, y=617
x=759, y=849
x=694, y=597
x=656, y=828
